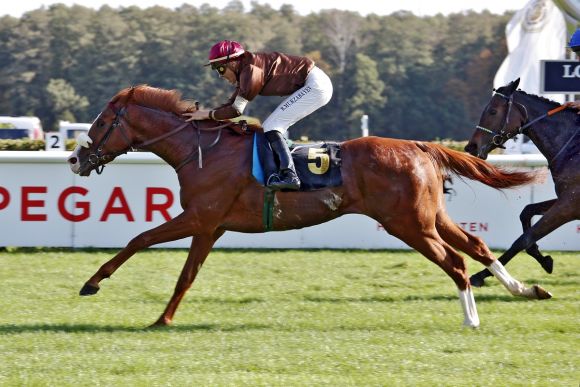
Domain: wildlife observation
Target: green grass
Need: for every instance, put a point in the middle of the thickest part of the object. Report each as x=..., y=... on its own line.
x=281, y=318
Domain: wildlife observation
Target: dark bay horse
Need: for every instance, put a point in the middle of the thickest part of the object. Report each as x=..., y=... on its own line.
x=556, y=133
x=396, y=182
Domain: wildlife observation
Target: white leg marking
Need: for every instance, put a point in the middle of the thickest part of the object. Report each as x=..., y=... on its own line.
x=514, y=286
x=471, y=319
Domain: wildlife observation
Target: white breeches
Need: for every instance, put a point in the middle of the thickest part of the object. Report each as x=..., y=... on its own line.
x=315, y=93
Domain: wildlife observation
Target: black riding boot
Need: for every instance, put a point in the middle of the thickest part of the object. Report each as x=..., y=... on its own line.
x=287, y=178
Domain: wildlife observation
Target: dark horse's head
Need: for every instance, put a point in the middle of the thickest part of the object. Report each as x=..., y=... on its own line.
x=500, y=121
x=115, y=131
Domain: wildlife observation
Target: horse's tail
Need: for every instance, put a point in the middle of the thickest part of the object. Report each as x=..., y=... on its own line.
x=463, y=164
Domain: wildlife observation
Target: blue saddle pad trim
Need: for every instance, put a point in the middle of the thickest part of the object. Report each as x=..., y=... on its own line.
x=257, y=169
x=317, y=165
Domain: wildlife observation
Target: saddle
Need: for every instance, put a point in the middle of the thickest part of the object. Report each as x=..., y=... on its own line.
x=317, y=164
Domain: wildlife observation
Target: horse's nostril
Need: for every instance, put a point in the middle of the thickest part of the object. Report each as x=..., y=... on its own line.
x=72, y=160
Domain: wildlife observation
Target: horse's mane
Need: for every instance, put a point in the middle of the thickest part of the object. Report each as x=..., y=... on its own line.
x=167, y=100
x=543, y=99
x=540, y=98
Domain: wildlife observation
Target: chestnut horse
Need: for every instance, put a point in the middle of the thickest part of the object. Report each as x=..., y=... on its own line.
x=398, y=183
x=557, y=135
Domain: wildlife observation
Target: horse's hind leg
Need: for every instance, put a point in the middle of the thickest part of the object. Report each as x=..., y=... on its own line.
x=475, y=248
x=199, y=250
x=560, y=212
x=526, y=215
x=464, y=241
x=438, y=251
x=177, y=228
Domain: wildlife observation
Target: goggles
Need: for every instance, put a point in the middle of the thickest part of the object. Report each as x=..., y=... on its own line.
x=220, y=68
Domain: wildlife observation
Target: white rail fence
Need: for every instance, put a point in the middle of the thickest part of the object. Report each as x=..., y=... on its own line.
x=43, y=204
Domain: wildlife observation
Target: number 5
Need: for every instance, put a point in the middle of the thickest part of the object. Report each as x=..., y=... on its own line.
x=319, y=161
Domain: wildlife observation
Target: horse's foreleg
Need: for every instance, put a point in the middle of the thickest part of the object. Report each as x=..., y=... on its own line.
x=177, y=228
x=200, y=248
x=528, y=212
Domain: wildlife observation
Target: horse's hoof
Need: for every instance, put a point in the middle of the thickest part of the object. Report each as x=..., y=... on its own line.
x=161, y=323
x=470, y=325
x=476, y=280
x=541, y=293
x=548, y=264
x=88, y=290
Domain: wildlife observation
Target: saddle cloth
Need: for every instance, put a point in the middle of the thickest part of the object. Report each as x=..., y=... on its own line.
x=317, y=165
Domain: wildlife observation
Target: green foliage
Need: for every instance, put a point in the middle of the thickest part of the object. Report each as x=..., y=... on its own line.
x=65, y=101
x=31, y=145
x=22, y=145
x=416, y=77
x=283, y=318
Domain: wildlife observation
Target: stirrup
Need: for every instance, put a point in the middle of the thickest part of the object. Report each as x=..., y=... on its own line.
x=287, y=181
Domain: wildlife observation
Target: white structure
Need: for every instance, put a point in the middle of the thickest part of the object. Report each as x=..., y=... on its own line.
x=30, y=127
x=70, y=130
x=43, y=204
x=364, y=125
x=536, y=32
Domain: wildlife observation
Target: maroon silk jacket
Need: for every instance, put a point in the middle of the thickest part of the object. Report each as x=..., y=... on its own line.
x=266, y=74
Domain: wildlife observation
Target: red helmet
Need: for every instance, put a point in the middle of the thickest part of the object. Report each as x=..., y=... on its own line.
x=224, y=51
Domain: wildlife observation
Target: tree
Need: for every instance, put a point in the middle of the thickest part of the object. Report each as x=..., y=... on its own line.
x=64, y=100
x=366, y=90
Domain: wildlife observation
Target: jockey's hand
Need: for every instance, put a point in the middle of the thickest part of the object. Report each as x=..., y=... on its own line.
x=573, y=105
x=196, y=115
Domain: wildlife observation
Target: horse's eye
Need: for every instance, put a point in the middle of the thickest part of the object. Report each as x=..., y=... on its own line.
x=492, y=112
x=100, y=123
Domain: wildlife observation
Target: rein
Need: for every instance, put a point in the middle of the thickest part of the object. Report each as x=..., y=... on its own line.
x=98, y=158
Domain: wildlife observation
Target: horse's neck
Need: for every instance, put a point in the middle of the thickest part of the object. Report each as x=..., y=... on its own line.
x=551, y=133
x=184, y=145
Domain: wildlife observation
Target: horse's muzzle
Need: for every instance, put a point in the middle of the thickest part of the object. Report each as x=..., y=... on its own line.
x=471, y=148
x=75, y=164
x=73, y=160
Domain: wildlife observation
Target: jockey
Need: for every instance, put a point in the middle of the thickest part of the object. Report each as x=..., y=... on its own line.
x=306, y=87
x=574, y=45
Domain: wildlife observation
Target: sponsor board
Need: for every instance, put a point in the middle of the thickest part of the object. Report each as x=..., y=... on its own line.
x=42, y=203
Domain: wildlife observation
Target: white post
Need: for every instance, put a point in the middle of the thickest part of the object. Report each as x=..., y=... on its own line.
x=364, y=125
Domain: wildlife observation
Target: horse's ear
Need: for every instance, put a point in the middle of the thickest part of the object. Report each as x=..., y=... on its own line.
x=515, y=84
x=131, y=92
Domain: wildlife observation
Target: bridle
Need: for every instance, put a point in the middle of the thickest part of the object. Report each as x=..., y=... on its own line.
x=98, y=159
x=499, y=138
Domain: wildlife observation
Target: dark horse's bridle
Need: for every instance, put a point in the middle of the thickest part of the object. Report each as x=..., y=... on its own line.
x=499, y=138
x=98, y=159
